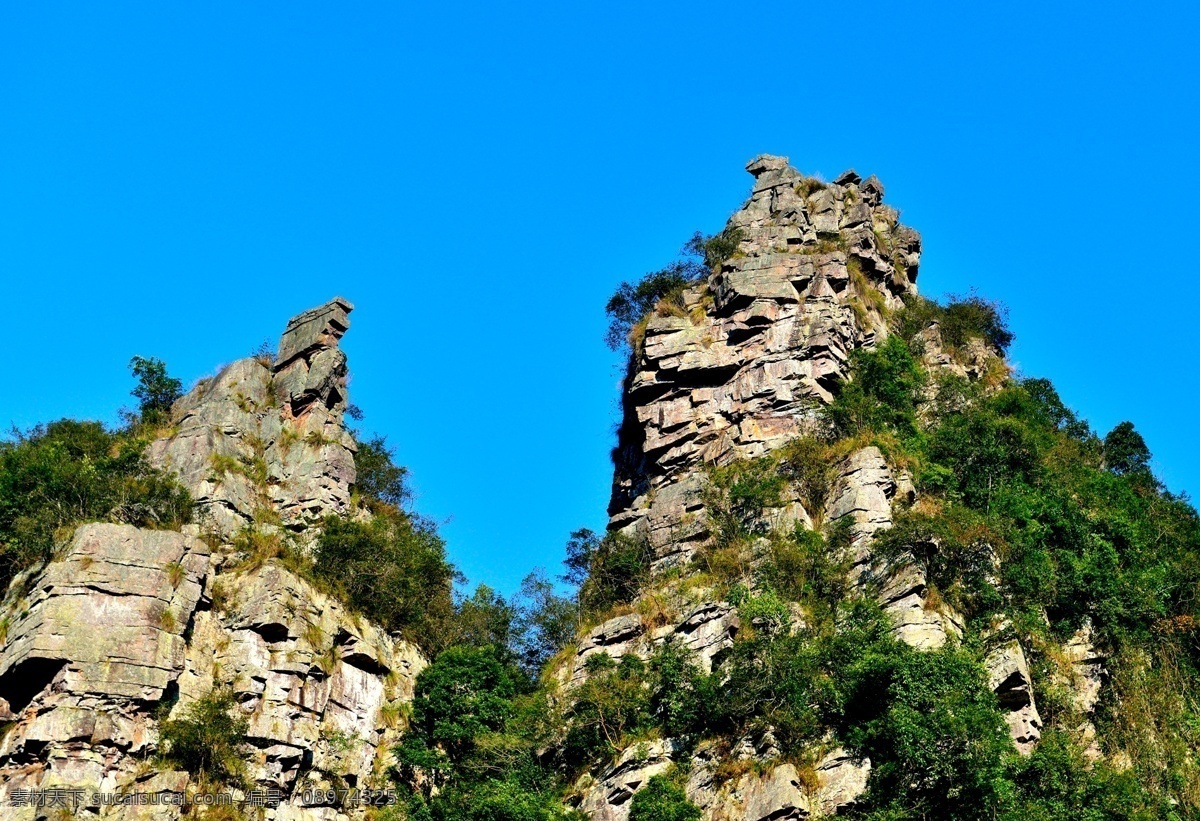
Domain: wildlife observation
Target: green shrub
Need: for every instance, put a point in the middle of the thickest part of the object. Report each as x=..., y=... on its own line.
x=765, y=612
x=681, y=695
x=207, y=740
x=881, y=394
x=378, y=477
x=1057, y=783
x=392, y=568
x=609, y=570
x=807, y=466
x=739, y=494
x=611, y=705
x=1125, y=450
x=714, y=249
x=54, y=477
x=930, y=725
x=957, y=550
x=660, y=800
x=156, y=390
x=961, y=319
x=463, y=694
x=633, y=301
x=970, y=316
x=809, y=567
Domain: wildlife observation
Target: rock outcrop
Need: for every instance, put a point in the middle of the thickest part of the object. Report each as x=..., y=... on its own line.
x=772, y=792
x=760, y=345
x=736, y=371
x=128, y=626
x=264, y=442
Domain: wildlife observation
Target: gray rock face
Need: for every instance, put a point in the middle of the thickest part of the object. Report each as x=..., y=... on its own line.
x=781, y=792
x=705, y=630
x=259, y=443
x=764, y=341
x=864, y=491
x=128, y=622
x=109, y=619
x=1008, y=676
x=608, y=798
x=1084, y=678
x=125, y=620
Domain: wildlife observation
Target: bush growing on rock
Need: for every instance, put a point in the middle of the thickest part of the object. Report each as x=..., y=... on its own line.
x=960, y=320
x=392, y=568
x=660, y=800
x=378, y=477
x=207, y=740
x=633, y=301
x=882, y=394
x=609, y=569
x=56, y=476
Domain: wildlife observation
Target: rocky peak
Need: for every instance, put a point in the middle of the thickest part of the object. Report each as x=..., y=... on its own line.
x=127, y=626
x=265, y=442
x=310, y=366
x=738, y=373
x=761, y=343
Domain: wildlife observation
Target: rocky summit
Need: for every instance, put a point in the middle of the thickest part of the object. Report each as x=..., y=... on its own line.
x=127, y=626
x=854, y=566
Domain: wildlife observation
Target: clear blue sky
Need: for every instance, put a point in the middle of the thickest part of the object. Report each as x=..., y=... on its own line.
x=177, y=179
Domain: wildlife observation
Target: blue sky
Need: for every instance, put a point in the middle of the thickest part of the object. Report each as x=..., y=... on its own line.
x=176, y=180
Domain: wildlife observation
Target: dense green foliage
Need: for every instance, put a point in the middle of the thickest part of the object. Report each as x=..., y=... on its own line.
x=59, y=475
x=470, y=753
x=377, y=477
x=392, y=568
x=660, y=800
x=959, y=320
x=207, y=740
x=466, y=693
x=883, y=394
x=608, y=570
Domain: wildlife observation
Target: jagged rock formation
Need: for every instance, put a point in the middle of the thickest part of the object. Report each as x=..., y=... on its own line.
x=763, y=341
x=264, y=440
x=128, y=625
x=739, y=372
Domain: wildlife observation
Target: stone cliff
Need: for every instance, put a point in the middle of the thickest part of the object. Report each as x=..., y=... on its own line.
x=739, y=373
x=130, y=626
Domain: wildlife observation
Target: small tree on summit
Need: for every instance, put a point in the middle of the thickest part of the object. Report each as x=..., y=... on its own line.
x=156, y=390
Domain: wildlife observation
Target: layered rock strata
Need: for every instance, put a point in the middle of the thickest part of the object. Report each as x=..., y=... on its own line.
x=128, y=626
x=736, y=374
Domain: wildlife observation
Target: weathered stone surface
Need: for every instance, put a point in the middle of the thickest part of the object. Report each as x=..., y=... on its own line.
x=111, y=615
x=971, y=362
x=706, y=630
x=97, y=638
x=766, y=339
x=126, y=621
x=1084, y=679
x=261, y=438
x=607, y=798
x=836, y=782
x=864, y=491
x=1008, y=676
